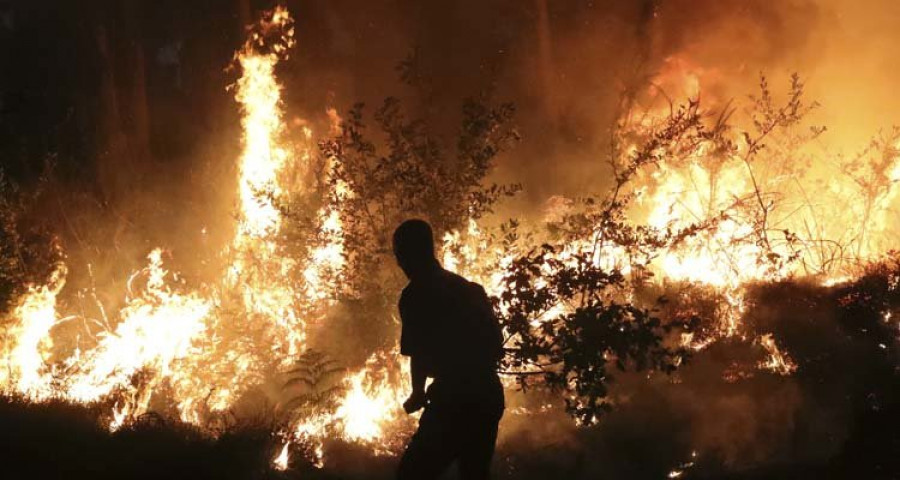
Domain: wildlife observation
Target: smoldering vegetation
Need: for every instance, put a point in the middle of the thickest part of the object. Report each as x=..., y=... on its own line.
x=719, y=416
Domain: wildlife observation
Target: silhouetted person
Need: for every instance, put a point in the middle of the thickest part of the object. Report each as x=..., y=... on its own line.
x=451, y=335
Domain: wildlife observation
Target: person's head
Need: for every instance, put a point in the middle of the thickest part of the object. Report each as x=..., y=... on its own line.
x=414, y=247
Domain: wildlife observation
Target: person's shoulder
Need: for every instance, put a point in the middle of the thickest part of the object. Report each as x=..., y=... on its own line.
x=448, y=278
x=458, y=282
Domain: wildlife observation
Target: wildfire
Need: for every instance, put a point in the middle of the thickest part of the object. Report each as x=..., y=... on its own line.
x=179, y=338
x=28, y=342
x=173, y=337
x=281, y=461
x=368, y=411
x=257, y=268
x=370, y=405
x=158, y=329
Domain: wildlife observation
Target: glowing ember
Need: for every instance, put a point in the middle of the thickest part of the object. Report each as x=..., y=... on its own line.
x=777, y=362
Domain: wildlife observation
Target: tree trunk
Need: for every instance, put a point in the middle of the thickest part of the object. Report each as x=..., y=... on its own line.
x=111, y=137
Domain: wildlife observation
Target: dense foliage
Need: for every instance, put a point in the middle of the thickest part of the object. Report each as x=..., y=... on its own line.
x=28, y=249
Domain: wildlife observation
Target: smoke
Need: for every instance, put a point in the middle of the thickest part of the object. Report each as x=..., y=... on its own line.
x=565, y=65
x=850, y=70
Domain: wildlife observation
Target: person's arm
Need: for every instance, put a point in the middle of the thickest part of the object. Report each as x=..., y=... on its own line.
x=409, y=346
x=417, y=377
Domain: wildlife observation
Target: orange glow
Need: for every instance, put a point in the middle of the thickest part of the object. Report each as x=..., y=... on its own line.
x=189, y=343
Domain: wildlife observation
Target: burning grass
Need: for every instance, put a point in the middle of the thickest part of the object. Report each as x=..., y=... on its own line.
x=719, y=416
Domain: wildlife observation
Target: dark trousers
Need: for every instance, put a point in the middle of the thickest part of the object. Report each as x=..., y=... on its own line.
x=465, y=433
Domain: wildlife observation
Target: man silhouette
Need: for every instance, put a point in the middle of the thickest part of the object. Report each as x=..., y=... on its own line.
x=451, y=335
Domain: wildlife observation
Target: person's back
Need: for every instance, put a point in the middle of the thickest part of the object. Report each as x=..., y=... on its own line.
x=448, y=323
x=451, y=335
